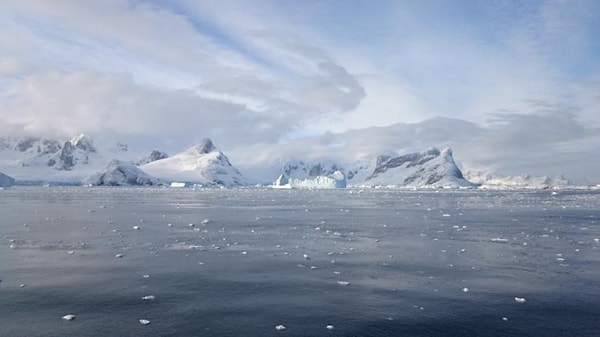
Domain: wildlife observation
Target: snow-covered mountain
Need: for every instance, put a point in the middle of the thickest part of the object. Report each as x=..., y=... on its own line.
x=6, y=181
x=119, y=173
x=45, y=152
x=431, y=168
x=39, y=159
x=201, y=164
x=487, y=180
x=33, y=160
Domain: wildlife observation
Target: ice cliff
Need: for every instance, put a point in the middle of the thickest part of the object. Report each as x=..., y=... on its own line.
x=6, y=181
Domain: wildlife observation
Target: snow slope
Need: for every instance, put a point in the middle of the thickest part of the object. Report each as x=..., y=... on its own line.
x=200, y=164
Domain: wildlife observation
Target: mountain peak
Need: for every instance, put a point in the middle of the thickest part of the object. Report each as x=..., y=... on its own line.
x=205, y=146
x=83, y=142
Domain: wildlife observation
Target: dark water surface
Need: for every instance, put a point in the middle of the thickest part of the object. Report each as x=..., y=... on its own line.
x=432, y=263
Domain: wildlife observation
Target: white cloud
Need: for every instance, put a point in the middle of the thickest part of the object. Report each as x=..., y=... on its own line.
x=260, y=72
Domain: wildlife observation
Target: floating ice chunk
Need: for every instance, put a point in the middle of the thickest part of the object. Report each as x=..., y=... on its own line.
x=149, y=298
x=329, y=327
x=144, y=321
x=146, y=276
x=520, y=299
x=499, y=240
x=70, y=252
x=280, y=327
x=206, y=221
x=136, y=227
x=343, y=283
x=68, y=317
x=504, y=319
x=306, y=257
x=465, y=290
x=22, y=285
x=118, y=256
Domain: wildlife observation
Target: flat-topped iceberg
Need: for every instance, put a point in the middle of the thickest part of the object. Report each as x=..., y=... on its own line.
x=335, y=180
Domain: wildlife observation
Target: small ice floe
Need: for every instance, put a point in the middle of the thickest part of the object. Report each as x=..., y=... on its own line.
x=280, y=327
x=169, y=225
x=306, y=257
x=118, y=256
x=465, y=290
x=144, y=321
x=136, y=227
x=149, y=298
x=22, y=285
x=329, y=327
x=71, y=252
x=68, y=317
x=192, y=225
x=504, y=319
x=499, y=240
x=520, y=299
x=205, y=221
x=343, y=283
x=145, y=276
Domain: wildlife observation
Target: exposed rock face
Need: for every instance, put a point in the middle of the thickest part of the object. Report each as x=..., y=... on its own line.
x=153, y=156
x=432, y=168
x=205, y=146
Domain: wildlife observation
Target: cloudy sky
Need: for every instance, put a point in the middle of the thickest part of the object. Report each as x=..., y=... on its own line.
x=521, y=78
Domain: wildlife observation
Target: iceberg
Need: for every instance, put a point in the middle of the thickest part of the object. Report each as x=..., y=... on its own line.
x=335, y=180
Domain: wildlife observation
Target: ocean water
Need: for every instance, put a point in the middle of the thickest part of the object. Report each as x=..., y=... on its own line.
x=319, y=263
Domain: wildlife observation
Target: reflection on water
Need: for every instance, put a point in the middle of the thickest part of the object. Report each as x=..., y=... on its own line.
x=320, y=263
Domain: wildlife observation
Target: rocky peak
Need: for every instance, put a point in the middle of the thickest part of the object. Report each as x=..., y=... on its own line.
x=205, y=146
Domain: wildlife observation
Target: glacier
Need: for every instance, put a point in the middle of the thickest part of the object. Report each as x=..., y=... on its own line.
x=119, y=173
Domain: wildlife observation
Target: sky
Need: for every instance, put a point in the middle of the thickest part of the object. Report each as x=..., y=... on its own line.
x=264, y=74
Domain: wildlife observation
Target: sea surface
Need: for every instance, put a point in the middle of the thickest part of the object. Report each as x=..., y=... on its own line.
x=221, y=262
